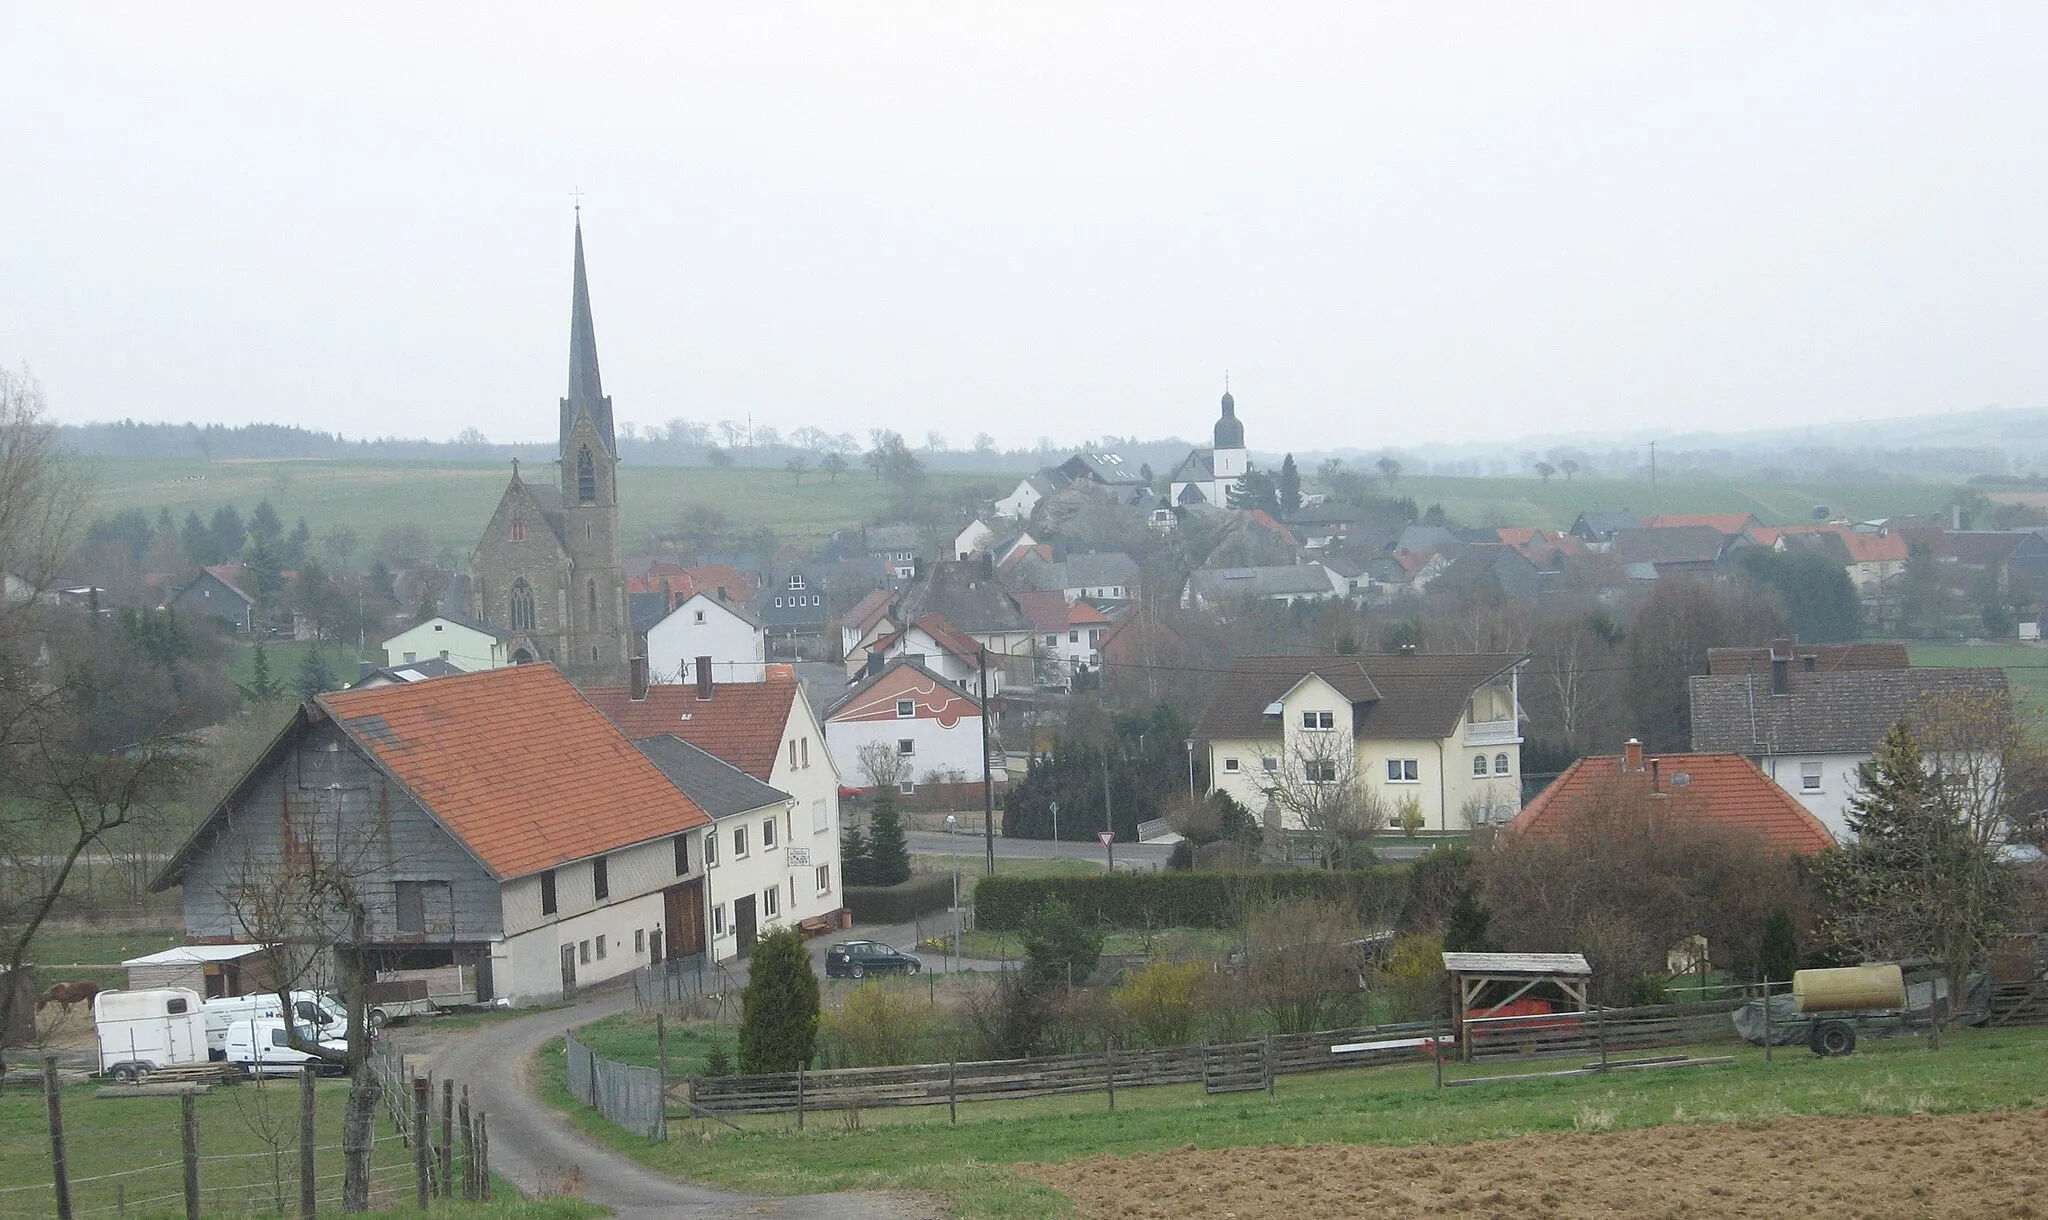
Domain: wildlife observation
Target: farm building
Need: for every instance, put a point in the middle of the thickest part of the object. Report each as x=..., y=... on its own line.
x=210, y=970
x=1721, y=790
x=494, y=821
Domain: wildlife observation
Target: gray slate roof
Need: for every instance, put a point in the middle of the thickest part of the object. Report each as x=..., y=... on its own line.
x=719, y=788
x=1301, y=580
x=1419, y=695
x=966, y=594
x=1673, y=544
x=1845, y=712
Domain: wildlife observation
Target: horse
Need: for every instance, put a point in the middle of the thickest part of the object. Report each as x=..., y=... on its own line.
x=67, y=994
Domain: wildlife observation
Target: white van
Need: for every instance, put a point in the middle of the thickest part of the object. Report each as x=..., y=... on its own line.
x=317, y=1009
x=262, y=1048
x=142, y=1031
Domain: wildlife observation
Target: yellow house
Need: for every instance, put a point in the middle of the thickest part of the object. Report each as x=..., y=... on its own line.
x=1439, y=734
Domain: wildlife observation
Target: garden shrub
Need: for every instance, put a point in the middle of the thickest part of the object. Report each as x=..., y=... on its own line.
x=1186, y=900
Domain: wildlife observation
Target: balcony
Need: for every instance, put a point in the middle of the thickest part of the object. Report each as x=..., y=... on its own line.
x=1493, y=732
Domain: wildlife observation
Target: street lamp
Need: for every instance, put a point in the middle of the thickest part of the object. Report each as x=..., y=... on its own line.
x=1190, y=743
x=952, y=824
x=1055, y=823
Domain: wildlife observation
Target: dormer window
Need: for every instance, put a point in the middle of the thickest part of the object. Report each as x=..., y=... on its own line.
x=796, y=582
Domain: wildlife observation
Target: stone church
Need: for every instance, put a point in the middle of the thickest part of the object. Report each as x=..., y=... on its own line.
x=548, y=573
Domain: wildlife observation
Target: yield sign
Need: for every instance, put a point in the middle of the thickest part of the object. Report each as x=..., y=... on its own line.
x=1105, y=837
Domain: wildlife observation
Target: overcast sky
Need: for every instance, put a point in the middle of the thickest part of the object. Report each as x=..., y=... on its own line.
x=1391, y=224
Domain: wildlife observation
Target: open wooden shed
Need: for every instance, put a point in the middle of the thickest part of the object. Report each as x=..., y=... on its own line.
x=1511, y=976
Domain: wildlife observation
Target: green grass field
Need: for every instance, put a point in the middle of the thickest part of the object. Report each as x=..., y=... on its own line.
x=1553, y=504
x=916, y=1149
x=2026, y=665
x=454, y=500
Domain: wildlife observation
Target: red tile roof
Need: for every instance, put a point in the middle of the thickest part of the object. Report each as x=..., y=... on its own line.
x=1724, y=790
x=741, y=723
x=1046, y=609
x=516, y=764
x=1728, y=524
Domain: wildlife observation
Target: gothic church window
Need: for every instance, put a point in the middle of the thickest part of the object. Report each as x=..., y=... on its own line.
x=593, y=599
x=522, y=605
x=586, y=476
x=518, y=529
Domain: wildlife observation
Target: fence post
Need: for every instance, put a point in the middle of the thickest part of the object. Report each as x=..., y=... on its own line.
x=661, y=1052
x=799, y=1099
x=1109, y=1075
x=447, y=1138
x=1266, y=1062
x=309, y=1133
x=952, y=1091
x=53, y=1102
x=1436, y=1048
x=1767, y=1020
x=420, y=1150
x=468, y=1125
x=188, y=1122
x=1600, y=1032
x=483, y=1157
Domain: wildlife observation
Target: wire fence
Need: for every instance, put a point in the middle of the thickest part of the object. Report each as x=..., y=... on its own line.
x=625, y=1093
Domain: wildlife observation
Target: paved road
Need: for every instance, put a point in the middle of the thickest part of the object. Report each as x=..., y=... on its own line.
x=533, y=1145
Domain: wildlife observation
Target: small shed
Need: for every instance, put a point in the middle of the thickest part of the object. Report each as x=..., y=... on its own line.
x=1511, y=975
x=211, y=970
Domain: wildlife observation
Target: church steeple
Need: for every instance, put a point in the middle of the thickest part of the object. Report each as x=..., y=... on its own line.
x=586, y=390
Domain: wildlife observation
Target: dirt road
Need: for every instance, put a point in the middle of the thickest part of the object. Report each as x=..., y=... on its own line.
x=535, y=1147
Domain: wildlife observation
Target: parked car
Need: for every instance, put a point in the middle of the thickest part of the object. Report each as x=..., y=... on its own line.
x=856, y=959
x=262, y=1048
x=308, y=1008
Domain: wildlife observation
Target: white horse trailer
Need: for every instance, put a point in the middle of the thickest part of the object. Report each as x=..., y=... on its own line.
x=142, y=1031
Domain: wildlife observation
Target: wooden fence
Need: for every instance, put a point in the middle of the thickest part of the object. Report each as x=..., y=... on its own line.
x=1219, y=1068
x=1580, y=1034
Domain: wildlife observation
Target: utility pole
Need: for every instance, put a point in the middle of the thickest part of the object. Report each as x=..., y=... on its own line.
x=1653, y=461
x=988, y=792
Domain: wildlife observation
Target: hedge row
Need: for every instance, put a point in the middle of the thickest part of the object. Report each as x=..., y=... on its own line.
x=1185, y=900
x=923, y=893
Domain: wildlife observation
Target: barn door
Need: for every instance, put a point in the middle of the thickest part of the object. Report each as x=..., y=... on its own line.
x=684, y=908
x=743, y=923
x=568, y=969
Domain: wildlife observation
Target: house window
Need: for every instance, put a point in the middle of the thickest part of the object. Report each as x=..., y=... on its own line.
x=768, y=833
x=1320, y=770
x=639, y=941
x=905, y=747
x=1073, y=637
x=1403, y=771
x=711, y=848
x=1318, y=721
x=700, y=618
x=1478, y=764
x=718, y=920
x=805, y=744
x=1052, y=640
x=518, y=529
x=1270, y=763
x=778, y=603
x=522, y=605
x=414, y=899
x=1809, y=777
x=547, y=892
x=820, y=820
x=739, y=842
x=771, y=901
x=682, y=844
x=796, y=582
x=410, y=657
x=908, y=787
x=583, y=952
x=1500, y=764
x=792, y=753
x=586, y=476
x=824, y=878
x=600, y=948
x=906, y=708
x=1230, y=764
x=600, y=879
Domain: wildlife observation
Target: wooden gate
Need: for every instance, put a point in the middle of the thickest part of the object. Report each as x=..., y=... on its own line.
x=1234, y=1067
x=683, y=908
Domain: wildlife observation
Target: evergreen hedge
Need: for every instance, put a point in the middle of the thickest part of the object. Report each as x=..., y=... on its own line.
x=885, y=904
x=1185, y=900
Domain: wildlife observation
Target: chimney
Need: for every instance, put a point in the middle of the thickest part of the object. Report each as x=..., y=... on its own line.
x=1632, y=756
x=1655, y=786
x=721, y=593
x=364, y=669
x=917, y=569
x=988, y=566
x=637, y=678
x=1781, y=667
x=704, y=684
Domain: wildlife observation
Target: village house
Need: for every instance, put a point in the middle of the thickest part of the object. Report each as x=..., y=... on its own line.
x=1070, y=634
x=1223, y=588
x=1440, y=730
x=213, y=593
x=1723, y=791
x=931, y=725
x=705, y=625
x=769, y=731
x=870, y=619
x=463, y=642
x=494, y=821
x=1099, y=576
x=1030, y=490
x=1809, y=716
x=794, y=609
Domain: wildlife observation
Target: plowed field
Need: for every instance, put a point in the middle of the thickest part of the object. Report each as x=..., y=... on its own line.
x=1971, y=1165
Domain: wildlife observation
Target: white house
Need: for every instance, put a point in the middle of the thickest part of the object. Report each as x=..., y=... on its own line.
x=466, y=644
x=1440, y=730
x=933, y=726
x=706, y=625
x=973, y=538
x=1032, y=488
x=770, y=731
x=1809, y=719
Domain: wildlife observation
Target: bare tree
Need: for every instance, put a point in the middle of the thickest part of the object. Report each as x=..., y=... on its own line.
x=1303, y=964
x=882, y=764
x=1317, y=781
x=797, y=465
x=832, y=463
x=1389, y=468
x=733, y=431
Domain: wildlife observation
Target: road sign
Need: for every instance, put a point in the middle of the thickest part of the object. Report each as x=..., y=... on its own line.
x=1105, y=837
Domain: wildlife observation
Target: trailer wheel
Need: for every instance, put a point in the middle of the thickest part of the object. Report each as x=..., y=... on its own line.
x=129, y=1073
x=377, y=1018
x=1832, y=1038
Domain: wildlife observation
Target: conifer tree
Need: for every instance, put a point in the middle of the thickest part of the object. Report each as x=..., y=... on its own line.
x=1290, y=486
x=855, y=865
x=888, y=851
x=314, y=676
x=263, y=686
x=1465, y=930
x=779, y=1026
